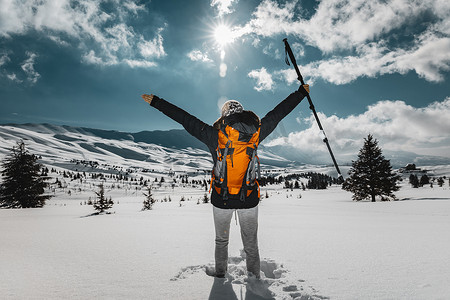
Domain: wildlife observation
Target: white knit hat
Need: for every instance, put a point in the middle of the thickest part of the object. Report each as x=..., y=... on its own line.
x=231, y=107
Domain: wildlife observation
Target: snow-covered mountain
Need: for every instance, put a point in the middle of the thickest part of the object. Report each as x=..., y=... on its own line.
x=165, y=151
x=398, y=158
x=70, y=147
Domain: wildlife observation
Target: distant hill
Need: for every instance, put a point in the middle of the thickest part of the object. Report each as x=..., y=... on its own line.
x=175, y=138
x=166, y=149
x=173, y=150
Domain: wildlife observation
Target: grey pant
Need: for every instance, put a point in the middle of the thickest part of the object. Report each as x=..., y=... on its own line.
x=248, y=221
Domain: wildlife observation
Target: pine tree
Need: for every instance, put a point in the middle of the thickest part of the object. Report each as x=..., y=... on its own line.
x=23, y=186
x=414, y=181
x=102, y=204
x=371, y=174
x=424, y=180
x=205, y=198
x=287, y=184
x=149, y=200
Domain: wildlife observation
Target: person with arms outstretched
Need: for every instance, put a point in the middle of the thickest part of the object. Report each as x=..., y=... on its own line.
x=232, y=141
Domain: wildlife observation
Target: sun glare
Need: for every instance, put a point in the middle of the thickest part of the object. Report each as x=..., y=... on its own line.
x=223, y=35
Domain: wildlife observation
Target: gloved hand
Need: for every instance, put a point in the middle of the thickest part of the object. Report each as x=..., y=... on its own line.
x=304, y=89
x=148, y=98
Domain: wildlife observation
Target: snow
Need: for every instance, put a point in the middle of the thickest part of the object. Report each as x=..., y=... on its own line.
x=314, y=244
x=322, y=245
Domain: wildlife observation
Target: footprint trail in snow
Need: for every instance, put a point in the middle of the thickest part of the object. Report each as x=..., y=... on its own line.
x=275, y=282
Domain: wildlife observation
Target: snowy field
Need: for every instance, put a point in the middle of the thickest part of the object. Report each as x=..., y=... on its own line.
x=314, y=244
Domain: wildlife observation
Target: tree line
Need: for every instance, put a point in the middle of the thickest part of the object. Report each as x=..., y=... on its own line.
x=371, y=176
x=426, y=180
x=315, y=181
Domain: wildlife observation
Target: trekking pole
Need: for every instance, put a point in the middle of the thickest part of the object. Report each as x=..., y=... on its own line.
x=311, y=105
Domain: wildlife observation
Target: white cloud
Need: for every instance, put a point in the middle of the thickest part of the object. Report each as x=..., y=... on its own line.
x=365, y=29
x=336, y=24
x=58, y=40
x=272, y=51
x=346, y=24
x=373, y=60
x=86, y=25
x=270, y=19
x=133, y=7
x=153, y=48
x=28, y=67
x=429, y=58
x=298, y=49
x=197, y=55
x=92, y=58
x=56, y=16
x=13, y=77
x=263, y=79
x=396, y=125
x=4, y=58
x=223, y=6
x=119, y=37
x=140, y=63
x=256, y=42
x=11, y=15
x=288, y=75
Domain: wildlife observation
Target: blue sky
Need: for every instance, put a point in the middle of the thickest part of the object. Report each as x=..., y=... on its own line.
x=380, y=67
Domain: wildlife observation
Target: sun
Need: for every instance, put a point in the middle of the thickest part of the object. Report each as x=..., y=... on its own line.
x=223, y=35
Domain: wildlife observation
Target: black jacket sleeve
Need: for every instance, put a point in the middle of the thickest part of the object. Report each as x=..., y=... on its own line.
x=271, y=120
x=202, y=131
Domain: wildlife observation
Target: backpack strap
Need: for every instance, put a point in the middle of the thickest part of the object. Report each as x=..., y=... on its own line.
x=223, y=170
x=221, y=181
x=250, y=173
x=251, y=170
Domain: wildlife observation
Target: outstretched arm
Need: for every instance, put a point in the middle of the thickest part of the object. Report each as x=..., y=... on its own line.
x=271, y=120
x=197, y=128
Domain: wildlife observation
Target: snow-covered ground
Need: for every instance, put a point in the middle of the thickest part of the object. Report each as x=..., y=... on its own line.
x=314, y=244
x=318, y=246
